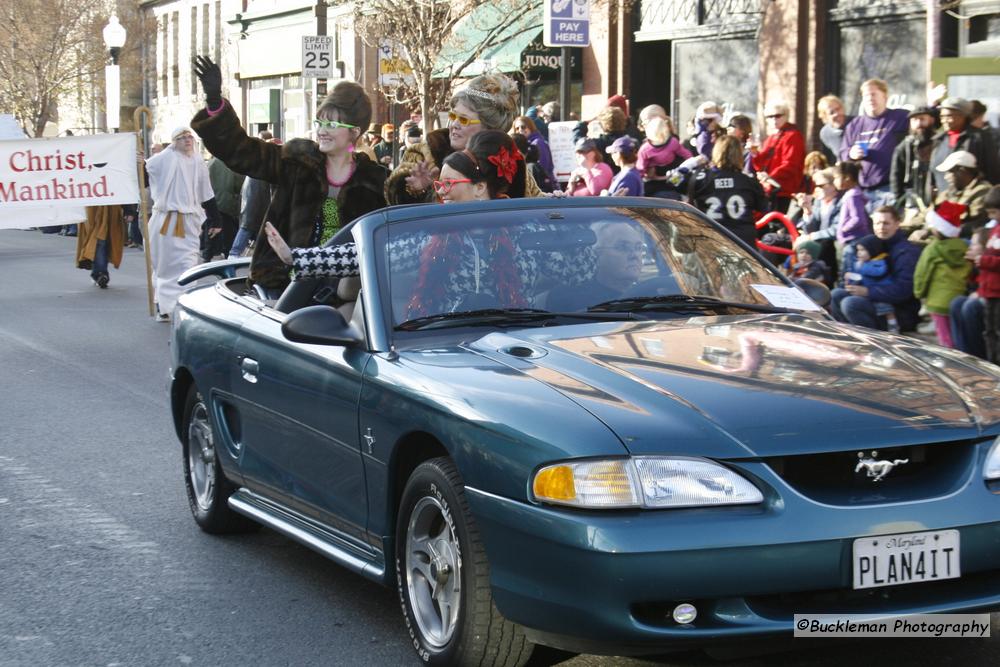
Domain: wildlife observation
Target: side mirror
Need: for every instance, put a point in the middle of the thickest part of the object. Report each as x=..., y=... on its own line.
x=815, y=290
x=320, y=325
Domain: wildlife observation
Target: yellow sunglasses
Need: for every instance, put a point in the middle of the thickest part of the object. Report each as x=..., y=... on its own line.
x=461, y=120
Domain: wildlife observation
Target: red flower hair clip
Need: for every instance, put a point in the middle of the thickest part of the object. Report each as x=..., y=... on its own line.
x=506, y=162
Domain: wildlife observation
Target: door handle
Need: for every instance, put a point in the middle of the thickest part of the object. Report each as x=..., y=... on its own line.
x=250, y=367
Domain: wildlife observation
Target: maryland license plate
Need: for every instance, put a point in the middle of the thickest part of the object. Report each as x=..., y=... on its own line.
x=890, y=560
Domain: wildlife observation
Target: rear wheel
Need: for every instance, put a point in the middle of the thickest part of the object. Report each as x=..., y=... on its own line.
x=443, y=576
x=208, y=490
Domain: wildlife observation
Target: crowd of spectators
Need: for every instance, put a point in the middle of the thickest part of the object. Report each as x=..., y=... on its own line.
x=896, y=209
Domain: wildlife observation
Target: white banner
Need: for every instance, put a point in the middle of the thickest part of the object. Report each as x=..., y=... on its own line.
x=562, y=147
x=40, y=175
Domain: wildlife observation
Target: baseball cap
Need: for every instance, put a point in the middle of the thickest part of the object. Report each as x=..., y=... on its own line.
x=620, y=144
x=708, y=110
x=958, y=104
x=958, y=159
x=923, y=111
x=584, y=145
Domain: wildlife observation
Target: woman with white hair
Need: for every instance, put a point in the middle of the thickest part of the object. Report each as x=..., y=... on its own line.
x=182, y=200
x=487, y=102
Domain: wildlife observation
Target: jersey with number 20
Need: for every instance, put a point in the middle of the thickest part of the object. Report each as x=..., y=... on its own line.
x=730, y=198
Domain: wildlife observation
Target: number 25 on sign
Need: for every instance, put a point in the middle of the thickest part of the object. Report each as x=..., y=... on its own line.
x=317, y=56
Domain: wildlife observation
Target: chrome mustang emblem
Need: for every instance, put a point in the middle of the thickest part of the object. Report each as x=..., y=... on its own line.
x=877, y=469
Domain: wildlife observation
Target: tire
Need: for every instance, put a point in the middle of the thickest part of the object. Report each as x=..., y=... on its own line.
x=208, y=490
x=439, y=560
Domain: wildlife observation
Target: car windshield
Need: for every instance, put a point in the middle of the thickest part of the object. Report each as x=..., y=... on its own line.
x=523, y=265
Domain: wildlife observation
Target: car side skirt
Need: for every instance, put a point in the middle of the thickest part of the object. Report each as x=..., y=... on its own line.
x=322, y=539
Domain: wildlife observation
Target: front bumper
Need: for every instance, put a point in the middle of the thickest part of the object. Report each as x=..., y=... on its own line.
x=606, y=582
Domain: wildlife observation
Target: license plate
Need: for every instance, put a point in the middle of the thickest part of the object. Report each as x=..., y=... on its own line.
x=891, y=560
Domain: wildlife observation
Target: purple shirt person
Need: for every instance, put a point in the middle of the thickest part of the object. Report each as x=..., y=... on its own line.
x=526, y=126
x=872, y=137
x=707, y=119
x=854, y=220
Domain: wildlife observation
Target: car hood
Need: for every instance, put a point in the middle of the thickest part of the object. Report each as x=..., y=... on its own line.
x=756, y=386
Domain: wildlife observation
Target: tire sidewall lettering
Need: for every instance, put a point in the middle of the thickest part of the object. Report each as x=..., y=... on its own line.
x=431, y=489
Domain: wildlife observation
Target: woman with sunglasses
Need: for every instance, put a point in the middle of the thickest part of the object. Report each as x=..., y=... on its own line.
x=491, y=273
x=320, y=185
x=487, y=102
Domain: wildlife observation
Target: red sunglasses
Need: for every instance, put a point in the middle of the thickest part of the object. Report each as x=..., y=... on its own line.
x=445, y=186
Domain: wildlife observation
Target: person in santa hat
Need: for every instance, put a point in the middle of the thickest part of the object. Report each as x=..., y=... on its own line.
x=942, y=272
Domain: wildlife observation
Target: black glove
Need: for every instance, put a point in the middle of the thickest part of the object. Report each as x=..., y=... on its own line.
x=211, y=80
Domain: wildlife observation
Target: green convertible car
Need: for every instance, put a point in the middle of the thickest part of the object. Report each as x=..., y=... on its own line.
x=600, y=424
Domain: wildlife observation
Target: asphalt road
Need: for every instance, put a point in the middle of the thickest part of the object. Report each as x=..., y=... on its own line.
x=100, y=561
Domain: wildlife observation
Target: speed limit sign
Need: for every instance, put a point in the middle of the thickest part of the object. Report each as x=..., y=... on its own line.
x=317, y=56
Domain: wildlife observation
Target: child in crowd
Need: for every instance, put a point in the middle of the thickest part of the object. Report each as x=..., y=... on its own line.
x=871, y=267
x=628, y=181
x=989, y=276
x=943, y=270
x=660, y=152
x=854, y=221
x=807, y=263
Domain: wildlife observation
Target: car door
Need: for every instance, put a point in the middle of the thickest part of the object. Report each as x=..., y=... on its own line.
x=298, y=406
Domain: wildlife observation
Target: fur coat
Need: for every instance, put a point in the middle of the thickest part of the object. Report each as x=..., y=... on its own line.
x=297, y=170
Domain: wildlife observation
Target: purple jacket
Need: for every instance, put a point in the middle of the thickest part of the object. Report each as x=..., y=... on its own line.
x=544, y=154
x=854, y=221
x=883, y=134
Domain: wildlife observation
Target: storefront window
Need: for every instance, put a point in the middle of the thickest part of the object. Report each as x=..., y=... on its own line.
x=700, y=74
x=883, y=50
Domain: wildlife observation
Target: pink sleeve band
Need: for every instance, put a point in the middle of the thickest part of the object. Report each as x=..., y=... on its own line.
x=215, y=112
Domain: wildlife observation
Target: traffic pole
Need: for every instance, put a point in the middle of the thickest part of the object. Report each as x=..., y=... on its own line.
x=564, y=84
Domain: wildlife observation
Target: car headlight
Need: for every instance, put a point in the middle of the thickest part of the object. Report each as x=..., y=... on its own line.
x=644, y=481
x=991, y=469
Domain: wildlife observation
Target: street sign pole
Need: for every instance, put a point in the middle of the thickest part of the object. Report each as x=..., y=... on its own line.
x=564, y=84
x=321, y=32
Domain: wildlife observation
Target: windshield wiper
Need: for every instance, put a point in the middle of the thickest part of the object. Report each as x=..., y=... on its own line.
x=669, y=302
x=486, y=316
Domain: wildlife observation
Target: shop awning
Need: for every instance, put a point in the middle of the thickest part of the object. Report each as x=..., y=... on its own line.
x=475, y=29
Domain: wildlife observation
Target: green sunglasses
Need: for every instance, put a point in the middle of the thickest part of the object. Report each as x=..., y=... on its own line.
x=319, y=123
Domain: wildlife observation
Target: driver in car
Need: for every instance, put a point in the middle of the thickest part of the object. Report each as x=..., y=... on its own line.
x=619, y=250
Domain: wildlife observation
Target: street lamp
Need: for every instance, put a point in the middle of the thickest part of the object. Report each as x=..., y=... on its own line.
x=114, y=39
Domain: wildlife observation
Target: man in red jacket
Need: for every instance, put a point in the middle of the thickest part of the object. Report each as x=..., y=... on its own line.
x=779, y=162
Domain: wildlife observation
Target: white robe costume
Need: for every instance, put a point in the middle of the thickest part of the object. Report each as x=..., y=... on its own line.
x=178, y=184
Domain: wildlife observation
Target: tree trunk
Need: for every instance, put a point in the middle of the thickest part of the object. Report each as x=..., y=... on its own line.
x=424, y=84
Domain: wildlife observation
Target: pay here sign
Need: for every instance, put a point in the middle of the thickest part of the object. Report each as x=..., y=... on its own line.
x=567, y=23
x=65, y=172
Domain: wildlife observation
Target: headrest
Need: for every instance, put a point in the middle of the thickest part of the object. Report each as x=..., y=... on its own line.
x=348, y=288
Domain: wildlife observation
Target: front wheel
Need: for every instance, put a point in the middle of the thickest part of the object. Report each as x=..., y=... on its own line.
x=208, y=490
x=443, y=576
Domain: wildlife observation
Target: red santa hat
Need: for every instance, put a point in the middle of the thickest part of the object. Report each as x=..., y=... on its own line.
x=946, y=218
